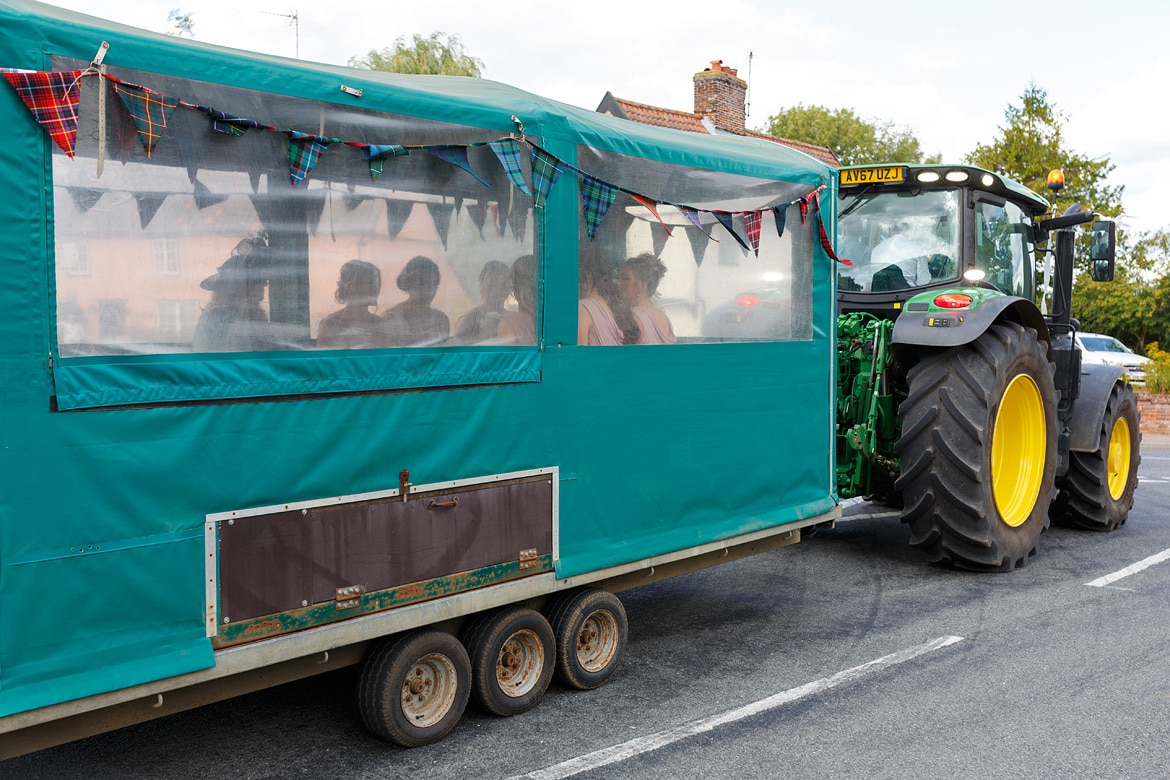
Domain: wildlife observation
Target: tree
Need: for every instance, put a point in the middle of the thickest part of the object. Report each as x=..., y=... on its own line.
x=1032, y=143
x=439, y=54
x=855, y=141
x=1135, y=306
x=182, y=23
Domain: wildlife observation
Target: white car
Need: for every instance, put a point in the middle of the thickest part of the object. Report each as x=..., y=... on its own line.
x=1101, y=349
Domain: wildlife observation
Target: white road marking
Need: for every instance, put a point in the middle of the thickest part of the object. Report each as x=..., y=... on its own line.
x=1134, y=568
x=652, y=742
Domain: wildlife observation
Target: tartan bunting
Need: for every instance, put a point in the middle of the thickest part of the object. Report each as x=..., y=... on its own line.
x=508, y=153
x=781, y=214
x=725, y=219
x=231, y=125
x=693, y=216
x=545, y=172
x=303, y=152
x=377, y=153
x=827, y=245
x=596, y=198
x=148, y=110
x=651, y=206
x=52, y=98
x=457, y=156
x=751, y=220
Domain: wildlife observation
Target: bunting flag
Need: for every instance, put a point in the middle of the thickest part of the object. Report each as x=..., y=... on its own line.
x=545, y=172
x=441, y=216
x=827, y=245
x=518, y=220
x=52, y=98
x=781, y=214
x=148, y=205
x=725, y=219
x=693, y=216
x=85, y=198
x=397, y=212
x=479, y=214
x=508, y=153
x=699, y=243
x=596, y=198
x=751, y=220
x=205, y=197
x=149, y=111
x=651, y=206
x=303, y=152
x=228, y=124
x=457, y=156
x=658, y=240
x=377, y=153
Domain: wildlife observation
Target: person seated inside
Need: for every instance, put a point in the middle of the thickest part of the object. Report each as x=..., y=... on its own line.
x=482, y=322
x=597, y=318
x=897, y=262
x=519, y=327
x=355, y=326
x=638, y=281
x=234, y=320
x=414, y=323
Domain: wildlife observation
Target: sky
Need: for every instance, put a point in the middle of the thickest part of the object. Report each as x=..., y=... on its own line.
x=944, y=70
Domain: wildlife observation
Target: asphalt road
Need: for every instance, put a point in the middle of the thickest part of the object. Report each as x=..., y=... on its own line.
x=844, y=656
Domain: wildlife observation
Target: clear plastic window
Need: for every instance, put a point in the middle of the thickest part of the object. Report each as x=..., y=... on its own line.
x=207, y=247
x=640, y=284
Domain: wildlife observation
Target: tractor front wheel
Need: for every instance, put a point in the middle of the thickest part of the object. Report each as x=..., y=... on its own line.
x=978, y=450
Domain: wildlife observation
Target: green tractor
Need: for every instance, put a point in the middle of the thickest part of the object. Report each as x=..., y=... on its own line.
x=960, y=399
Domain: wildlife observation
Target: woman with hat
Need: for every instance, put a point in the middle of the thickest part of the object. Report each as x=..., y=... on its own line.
x=234, y=321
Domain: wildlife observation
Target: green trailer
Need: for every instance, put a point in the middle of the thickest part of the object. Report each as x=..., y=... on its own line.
x=307, y=367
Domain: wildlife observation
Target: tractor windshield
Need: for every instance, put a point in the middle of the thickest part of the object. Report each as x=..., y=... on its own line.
x=897, y=239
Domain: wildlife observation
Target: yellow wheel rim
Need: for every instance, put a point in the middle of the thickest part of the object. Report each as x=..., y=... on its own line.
x=1018, y=448
x=1119, y=455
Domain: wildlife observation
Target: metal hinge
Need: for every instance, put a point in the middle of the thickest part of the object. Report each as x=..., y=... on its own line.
x=528, y=559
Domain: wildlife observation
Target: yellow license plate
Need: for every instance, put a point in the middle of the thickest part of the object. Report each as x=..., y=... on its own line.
x=884, y=175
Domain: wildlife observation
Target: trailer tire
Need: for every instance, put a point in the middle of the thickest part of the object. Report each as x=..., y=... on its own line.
x=590, y=627
x=1097, y=492
x=512, y=652
x=414, y=688
x=978, y=450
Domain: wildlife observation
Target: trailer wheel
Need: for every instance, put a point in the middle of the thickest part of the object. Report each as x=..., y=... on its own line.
x=590, y=628
x=413, y=689
x=978, y=450
x=511, y=659
x=1099, y=485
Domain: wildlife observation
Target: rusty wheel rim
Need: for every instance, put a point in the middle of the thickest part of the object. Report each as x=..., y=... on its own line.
x=597, y=642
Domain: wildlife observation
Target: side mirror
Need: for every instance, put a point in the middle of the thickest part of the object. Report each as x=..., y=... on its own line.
x=1102, y=251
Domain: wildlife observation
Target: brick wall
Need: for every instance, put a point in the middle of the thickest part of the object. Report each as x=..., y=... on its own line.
x=1155, y=411
x=720, y=95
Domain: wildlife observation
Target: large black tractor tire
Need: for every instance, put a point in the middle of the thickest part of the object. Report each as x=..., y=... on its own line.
x=1097, y=491
x=978, y=450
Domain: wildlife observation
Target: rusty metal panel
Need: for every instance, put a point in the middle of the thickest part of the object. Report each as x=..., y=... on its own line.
x=284, y=561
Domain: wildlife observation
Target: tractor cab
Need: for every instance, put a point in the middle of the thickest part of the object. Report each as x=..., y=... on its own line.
x=905, y=229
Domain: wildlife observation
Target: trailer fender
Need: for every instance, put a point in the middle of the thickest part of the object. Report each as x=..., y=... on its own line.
x=1097, y=383
x=954, y=328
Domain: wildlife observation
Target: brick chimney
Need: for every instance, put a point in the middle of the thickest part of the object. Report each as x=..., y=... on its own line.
x=720, y=97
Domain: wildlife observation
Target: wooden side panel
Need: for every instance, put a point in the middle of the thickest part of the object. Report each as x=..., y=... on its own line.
x=285, y=561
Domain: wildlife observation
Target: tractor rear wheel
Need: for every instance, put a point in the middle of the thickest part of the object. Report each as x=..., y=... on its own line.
x=978, y=450
x=1098, y=488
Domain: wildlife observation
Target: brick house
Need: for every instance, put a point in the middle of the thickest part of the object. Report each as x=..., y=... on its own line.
x=720, y=107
